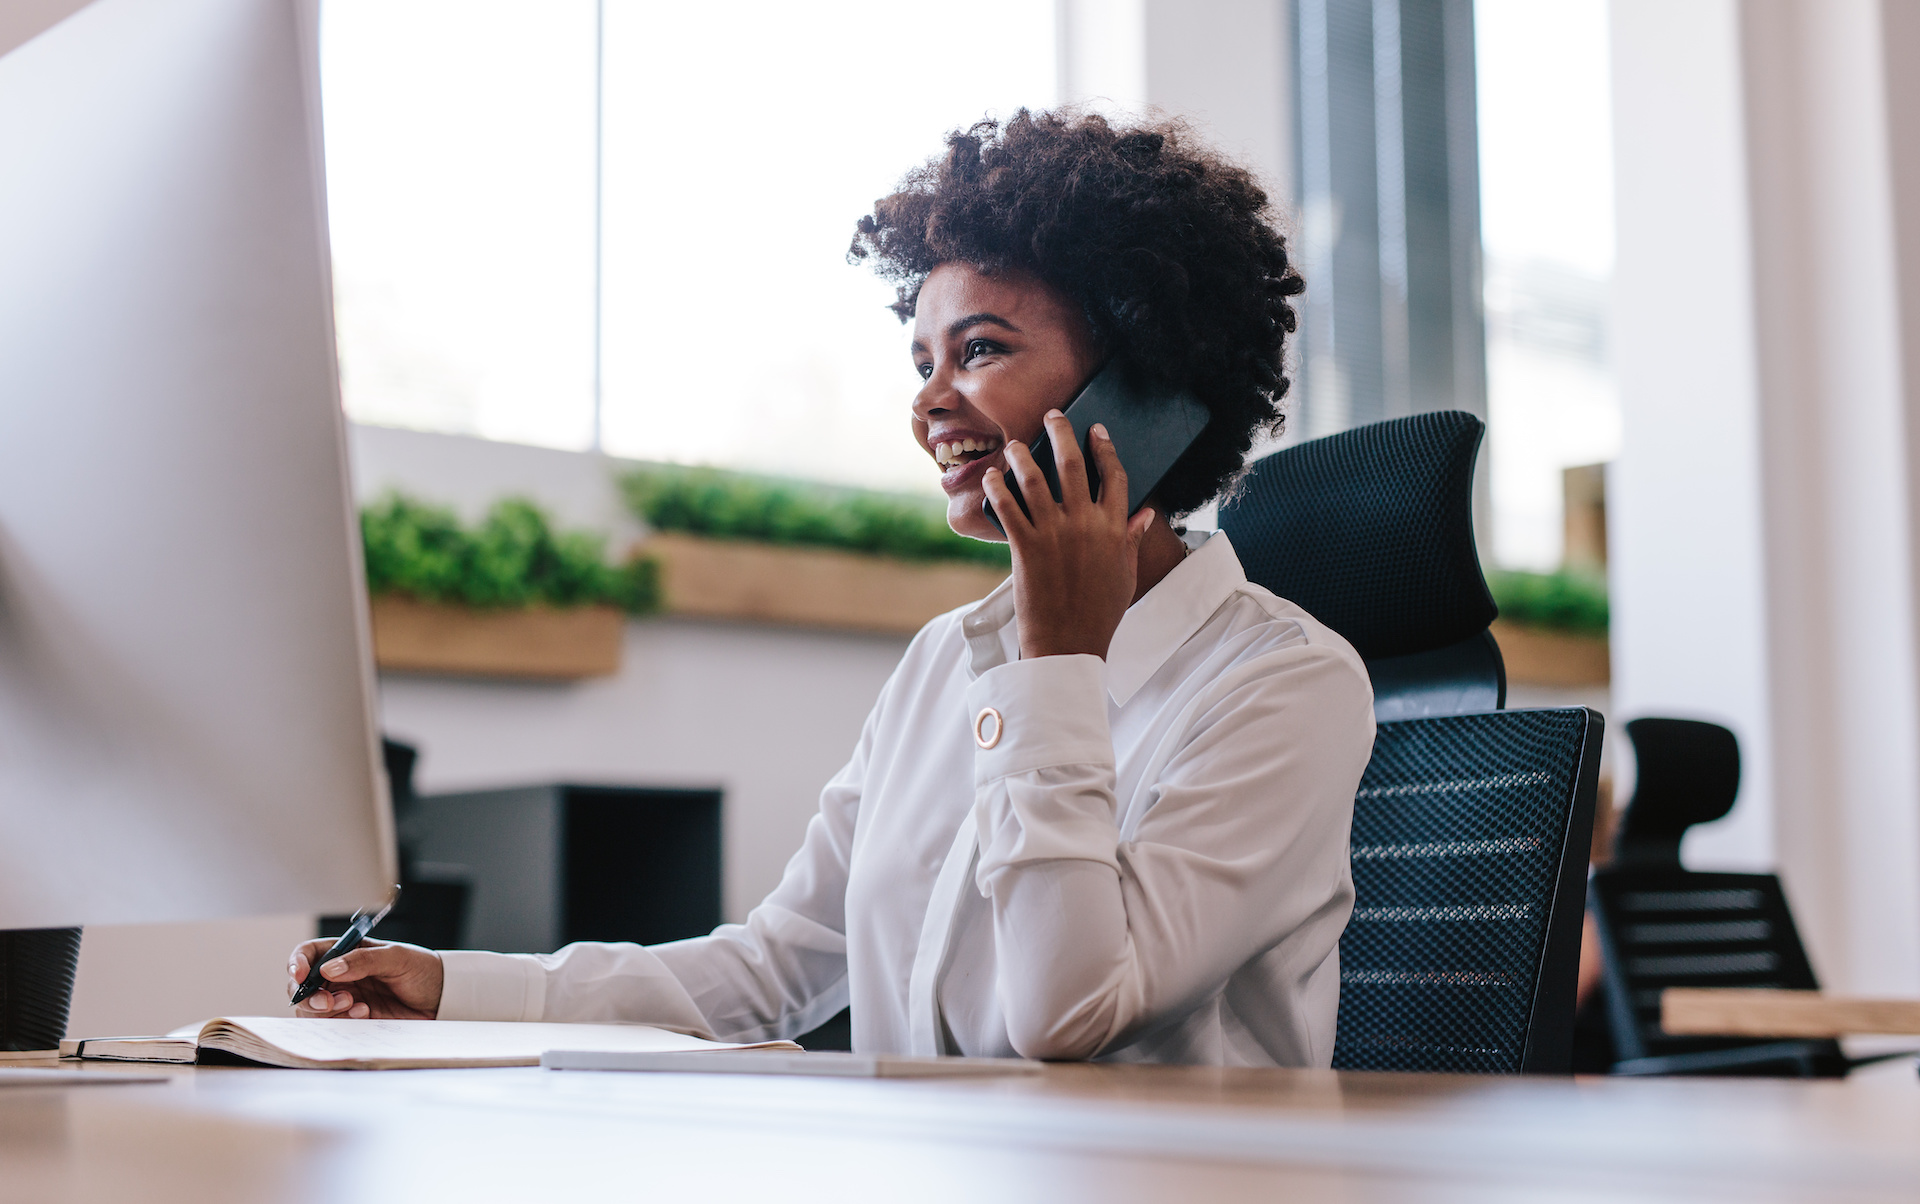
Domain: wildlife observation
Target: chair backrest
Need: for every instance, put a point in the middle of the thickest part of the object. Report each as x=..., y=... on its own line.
x=1662, y=925
x=1472, y=824
x=1371, y=530
x=1470, y=841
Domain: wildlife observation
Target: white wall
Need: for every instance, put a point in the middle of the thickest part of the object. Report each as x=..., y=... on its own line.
x=1763, y=552
x=471, y=474
x=767, y=714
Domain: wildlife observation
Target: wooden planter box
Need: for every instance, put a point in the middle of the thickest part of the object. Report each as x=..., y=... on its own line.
x=1538, y=657
x=538, y=642
x=810, y=587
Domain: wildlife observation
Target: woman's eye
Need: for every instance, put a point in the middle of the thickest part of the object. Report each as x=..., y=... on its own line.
x=978, y=347
x=925, y=370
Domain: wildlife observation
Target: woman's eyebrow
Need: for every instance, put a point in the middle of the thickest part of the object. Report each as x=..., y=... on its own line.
x=954, y=329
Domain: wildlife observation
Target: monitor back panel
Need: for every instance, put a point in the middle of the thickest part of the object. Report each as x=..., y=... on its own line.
x=186, y=701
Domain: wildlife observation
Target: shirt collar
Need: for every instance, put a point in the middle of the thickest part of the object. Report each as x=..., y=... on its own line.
x=1151, y=631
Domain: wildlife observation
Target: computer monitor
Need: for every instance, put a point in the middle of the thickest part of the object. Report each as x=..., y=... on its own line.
x=186, y=687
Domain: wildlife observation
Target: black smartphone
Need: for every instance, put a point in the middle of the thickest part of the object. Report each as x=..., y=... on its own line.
x=1150, y=432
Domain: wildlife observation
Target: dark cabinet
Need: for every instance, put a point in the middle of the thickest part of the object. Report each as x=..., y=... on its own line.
x=546, y=865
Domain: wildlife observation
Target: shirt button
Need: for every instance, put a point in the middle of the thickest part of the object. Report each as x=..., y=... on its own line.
x=987, y=726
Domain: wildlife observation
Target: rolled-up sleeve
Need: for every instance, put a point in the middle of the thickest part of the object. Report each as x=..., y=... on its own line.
x=1044, y=788
x=1244, y=845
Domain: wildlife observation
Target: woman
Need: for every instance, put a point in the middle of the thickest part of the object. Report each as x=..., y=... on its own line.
x=1102, y=813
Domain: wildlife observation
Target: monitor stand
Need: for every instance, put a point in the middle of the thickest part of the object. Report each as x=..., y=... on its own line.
x=37, y=966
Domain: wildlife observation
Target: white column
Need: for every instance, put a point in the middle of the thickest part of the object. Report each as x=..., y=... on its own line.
x=1683, y=501
x=1839, y=473
x=1219, y=64
x=1763, y=553
x=1100, y=47
x=1223, y=65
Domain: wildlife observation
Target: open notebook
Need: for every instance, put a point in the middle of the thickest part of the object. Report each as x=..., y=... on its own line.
x=390, y=1044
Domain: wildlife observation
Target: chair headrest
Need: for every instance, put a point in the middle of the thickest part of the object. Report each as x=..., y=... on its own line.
x=1371, y=530
x=1685, y=772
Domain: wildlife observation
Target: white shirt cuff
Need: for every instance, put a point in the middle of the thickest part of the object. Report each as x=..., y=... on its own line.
x=1052, y=711
x=491, y=986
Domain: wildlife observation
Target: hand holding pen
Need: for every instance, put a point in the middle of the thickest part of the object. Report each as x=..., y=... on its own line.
x=356, y=978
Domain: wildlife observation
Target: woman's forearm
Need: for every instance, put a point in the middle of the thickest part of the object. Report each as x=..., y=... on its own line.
x=1105, y=923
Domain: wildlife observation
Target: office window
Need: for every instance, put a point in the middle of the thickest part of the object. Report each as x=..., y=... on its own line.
x=741, y=142
x=459, y=143
x=1384, y=140
x=1547, y=216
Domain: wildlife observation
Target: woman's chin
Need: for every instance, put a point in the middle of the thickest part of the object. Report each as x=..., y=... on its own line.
x=967, y=515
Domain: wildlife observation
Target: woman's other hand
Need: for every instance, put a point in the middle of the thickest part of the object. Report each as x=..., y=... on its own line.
x=1075, y=561
x=379, y=980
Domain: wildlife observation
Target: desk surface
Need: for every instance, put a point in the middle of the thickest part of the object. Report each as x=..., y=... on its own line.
x=1110, y=1134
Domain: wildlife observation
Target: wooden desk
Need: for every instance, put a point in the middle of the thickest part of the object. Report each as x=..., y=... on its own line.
x=1111, y=1134
x=1725, y=1011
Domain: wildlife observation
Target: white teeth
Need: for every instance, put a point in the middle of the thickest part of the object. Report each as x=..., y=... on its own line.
x=948, y=454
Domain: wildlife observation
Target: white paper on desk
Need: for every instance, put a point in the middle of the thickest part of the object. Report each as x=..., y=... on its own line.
x=828, y=1064
x=427, y=1044
x=24, y=1076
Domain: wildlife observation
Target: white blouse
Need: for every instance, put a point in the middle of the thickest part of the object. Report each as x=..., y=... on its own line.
x=1141, y=859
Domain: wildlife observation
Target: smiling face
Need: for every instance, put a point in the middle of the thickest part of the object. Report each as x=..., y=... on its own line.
x=996, y=352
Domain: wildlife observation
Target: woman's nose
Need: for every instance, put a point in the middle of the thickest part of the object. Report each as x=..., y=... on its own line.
x=936, y=396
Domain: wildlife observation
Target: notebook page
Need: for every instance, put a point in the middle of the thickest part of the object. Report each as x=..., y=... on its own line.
x=423, y=1043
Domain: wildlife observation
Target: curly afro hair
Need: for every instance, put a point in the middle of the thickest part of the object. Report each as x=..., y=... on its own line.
x=1167, y=247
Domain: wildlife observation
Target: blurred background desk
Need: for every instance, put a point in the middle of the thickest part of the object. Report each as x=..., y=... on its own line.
x=1114, y=1134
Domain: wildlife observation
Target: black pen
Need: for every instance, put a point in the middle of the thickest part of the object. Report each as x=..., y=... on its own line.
x=357, y=929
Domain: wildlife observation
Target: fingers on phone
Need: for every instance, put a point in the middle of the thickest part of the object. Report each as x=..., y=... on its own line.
x=1113, y=474
x=1012, y=518
x=1033, y=482
x=1067, y=458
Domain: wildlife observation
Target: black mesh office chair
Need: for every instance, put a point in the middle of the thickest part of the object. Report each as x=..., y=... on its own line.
x=1472, y=823
x=1371, y=531
x=1664, y=926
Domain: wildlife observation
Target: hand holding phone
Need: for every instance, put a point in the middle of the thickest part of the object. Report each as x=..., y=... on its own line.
x=1075, y=554
x=1076, y=561
x=1150, y=431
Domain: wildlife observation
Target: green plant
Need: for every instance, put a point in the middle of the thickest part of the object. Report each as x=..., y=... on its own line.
x=1562, y=601
x=513, y=558
x=725, y=505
